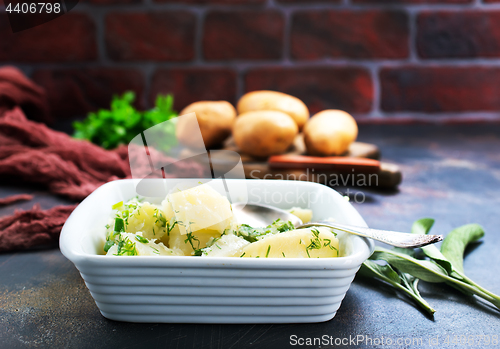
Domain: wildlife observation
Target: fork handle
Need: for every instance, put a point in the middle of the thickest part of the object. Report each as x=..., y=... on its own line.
x=393, y=238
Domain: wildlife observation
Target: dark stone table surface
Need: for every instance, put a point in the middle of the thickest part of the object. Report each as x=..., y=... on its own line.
x=451, y=173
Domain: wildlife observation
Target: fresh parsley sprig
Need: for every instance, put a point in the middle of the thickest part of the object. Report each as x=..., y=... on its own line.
x=122, y=122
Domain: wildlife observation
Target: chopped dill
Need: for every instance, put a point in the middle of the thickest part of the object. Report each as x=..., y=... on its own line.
x=328, y=244
x=126, y=248
x=108, y=245
x=117, y=205
x=254, y=234
x=198, y=252
x=315, y=243
x=170, y=227
x=141, y=239
x=190, y=238
x=119, y=225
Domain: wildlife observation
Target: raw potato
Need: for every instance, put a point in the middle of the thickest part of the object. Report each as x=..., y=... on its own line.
x=215, y=118
x=295, y=244
x=264, y=133
x=272, y=100
x=330, y=132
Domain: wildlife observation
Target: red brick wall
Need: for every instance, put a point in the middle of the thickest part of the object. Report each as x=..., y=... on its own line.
x=382, y=60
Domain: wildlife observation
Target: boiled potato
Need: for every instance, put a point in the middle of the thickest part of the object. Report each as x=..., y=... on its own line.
x=227, y=246
x=215, y=119
x=264, y=133
x=137, y=245
x=273, y=100
x=200, y=208
x=330, y=132
x=301, y=243
x=147, y=219
x=187, y=244
x=304, y=214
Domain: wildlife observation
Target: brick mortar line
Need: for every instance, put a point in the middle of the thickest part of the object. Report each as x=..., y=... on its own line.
x=436, y=116
x=100, y=25
x=287, y=36
x=147, y=69
x=480, y=4
x=245, y=65
x=292, y=7
x=174, y=7
x=271, y=4
x=240, y=82
x=412, y=37
x=376, y=103
x=148, y=5
x=198, y=36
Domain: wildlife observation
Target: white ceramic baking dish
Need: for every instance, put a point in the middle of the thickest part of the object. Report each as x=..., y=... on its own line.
x=215, y=290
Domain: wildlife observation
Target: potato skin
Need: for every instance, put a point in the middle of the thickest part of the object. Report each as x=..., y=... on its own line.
x=264, y=133
x=330, y=132
x=215, y=118
x=273, y=100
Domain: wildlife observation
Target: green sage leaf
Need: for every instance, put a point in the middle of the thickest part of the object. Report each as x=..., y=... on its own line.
x=383, y=272
x=422, y=226
x=422, y=269
x=456, y=241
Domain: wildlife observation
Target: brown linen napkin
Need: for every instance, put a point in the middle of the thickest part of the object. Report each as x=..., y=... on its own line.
x=35, y=227
x=17, y=90
x=15, y=198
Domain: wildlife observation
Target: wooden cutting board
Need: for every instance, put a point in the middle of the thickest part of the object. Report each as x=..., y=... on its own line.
x=389, y=175
x=356, y=150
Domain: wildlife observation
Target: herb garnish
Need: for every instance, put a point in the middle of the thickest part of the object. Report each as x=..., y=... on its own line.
x=404, y=267
x=120, y=124
x=190, y=238
x=108, y=245
x=170, y=227
x=126, y=247
x=141, y=239
x=119, y=225
x=254, y=234
x=117, y=205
